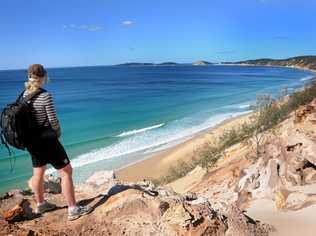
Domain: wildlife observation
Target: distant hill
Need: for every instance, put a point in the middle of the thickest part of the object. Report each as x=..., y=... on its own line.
x=202, y=63
x=303, y=62
x=167, y=64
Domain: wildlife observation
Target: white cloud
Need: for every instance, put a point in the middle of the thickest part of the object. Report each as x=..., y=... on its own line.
x=127, y=23
x=91, y=27
x=85, y=27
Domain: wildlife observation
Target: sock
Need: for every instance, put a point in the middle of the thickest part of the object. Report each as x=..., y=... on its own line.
x=71, y=208
x=40, y=203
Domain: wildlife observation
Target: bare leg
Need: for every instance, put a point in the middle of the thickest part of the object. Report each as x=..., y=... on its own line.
x=37, y=183
x=67, y=185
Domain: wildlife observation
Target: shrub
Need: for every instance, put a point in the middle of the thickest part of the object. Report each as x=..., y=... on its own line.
x=176, y=172
x=208, y=155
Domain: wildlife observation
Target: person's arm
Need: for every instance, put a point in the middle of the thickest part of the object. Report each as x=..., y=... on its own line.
x=51, y=114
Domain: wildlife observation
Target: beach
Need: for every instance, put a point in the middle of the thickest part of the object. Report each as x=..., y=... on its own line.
x=235, y=188
x=122, y=115
x=158, y=164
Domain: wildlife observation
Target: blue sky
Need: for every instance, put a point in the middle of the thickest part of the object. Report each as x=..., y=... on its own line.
x=102, y=32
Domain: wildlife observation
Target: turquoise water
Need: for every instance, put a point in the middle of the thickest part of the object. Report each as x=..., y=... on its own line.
x=113, y=116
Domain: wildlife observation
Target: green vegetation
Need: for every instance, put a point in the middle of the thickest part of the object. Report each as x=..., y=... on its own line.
x=300, y=62
x=268, y=113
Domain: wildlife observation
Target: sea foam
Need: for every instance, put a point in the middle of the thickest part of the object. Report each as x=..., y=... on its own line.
x=241, y=106
x=137, y=131
x=308, y=78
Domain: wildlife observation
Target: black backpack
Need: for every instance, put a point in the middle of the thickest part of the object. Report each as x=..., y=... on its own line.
x=17, y=121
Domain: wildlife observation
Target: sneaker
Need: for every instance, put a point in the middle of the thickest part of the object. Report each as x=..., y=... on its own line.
x=44, y=207
x=78, y=211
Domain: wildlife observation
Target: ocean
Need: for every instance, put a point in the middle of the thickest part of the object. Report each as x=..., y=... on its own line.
x=112, y=116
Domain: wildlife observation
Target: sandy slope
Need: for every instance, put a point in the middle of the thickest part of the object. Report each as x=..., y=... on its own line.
x=297, y=216
x=287, y=223
x=290, y=223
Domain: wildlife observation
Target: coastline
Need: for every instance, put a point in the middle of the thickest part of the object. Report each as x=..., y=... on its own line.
x=162, y=153
x=270, y=65
x=158, y=164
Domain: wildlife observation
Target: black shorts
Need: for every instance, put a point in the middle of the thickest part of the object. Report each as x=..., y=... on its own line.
x=45, y=148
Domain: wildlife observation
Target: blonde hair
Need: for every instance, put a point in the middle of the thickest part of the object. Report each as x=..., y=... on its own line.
x=37, y=77
x=34, y=83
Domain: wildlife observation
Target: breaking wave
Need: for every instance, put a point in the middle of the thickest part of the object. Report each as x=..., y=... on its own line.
x=137, y=131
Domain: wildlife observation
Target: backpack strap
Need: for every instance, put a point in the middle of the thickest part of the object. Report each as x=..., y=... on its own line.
x=30, y=98
x=4, y=142
x=20, y=96
x=31, y=95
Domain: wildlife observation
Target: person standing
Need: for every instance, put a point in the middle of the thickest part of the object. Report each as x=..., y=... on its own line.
x=45, y=148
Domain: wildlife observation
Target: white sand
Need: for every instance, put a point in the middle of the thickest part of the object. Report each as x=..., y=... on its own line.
x=287, y=223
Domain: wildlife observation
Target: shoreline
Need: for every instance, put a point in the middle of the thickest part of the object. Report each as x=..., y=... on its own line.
x=278, y=66
x=177, y=142
x=158, y=163
x=167, y=153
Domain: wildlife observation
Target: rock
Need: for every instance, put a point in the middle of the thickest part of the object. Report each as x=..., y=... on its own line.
x=19, y=212
x=131, y=209
x=8, y=229
x=240, y=224
x=305, y=147
x=291, y=148
x=100, y=183
x=280, y=198
x=302, y=112
x=118, y=200
x=260, y=180
x=13, y=198
x=309, y=151
x=163, y=207
x=13, y=214
x=177, y=215
x=297, y=200
x=168, y=213
x=309, y=176
x=52, y=184
x=190, y=196
x=250, y=176
x=5, y=196
x=237, y=223
x=312, y=118
x=101, y=177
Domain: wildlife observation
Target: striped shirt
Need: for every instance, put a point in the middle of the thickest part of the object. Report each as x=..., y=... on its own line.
x=44, y=111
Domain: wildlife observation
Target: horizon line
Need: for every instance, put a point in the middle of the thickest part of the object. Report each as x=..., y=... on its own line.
x=159, y=63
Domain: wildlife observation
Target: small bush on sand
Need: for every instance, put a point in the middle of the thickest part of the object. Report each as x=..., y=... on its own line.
x=177, y=171
x=208, y=155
